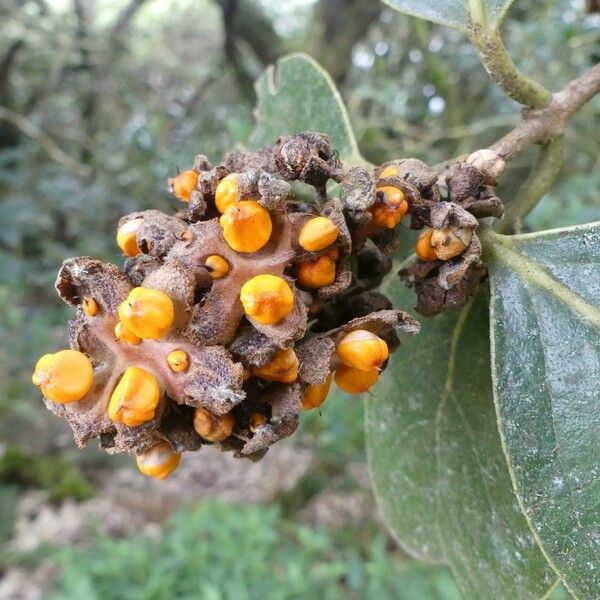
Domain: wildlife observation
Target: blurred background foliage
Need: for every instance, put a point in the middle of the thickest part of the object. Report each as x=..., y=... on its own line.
x=100, y=102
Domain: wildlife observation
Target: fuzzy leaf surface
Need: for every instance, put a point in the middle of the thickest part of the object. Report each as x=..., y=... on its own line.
x=297, y=95
x=546, y=367
x=452, y=13
x=437, y=465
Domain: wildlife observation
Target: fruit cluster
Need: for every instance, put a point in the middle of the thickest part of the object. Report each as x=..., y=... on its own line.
x=229, y=317
x=449, y=267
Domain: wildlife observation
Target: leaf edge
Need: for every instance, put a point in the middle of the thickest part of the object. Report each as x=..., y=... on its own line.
x=464, y=28
x=503, y=445
x=270, y=72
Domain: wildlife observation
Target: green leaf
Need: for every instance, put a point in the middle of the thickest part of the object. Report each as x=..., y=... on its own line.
x=546, y=367
x=437, y=465
x=298, y=95
x=453, y=13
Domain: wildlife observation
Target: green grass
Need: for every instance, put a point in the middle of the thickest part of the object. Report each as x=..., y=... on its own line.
x=57, y=474
x=220, y=551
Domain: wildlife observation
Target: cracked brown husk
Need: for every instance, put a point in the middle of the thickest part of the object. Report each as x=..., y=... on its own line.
x=222, y=343
x=469, y=195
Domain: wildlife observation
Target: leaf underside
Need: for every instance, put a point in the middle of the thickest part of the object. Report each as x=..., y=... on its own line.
x=452, y=13
x=546, y=367
x=298, y=95
x=439, y=473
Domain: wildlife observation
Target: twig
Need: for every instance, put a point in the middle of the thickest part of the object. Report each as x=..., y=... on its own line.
x=501, y=68
x=543, y=124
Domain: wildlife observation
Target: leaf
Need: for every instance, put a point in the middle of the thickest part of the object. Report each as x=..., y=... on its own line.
x=546, y=367
x=437, y=465
x=453, y=13
x=298, y=95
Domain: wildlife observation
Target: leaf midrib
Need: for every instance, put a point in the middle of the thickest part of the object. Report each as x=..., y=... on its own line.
x=502, y=249
x=559, y=451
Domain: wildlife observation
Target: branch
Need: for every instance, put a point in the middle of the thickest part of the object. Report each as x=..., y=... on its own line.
x=245, y=23
x=245, y=81
x=9, y=135
x=8, y=61
x=126, y=16
x=546, y=123
x=45, y=142
x=542, y=126
x=501, y=68
x=545, y=126
x=336, y=27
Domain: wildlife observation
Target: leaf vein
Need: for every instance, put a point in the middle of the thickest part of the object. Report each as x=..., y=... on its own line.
x=536, y=274
x=549, y=394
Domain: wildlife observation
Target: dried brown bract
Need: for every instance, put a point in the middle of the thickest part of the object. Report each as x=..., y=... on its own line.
x=449, y=267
